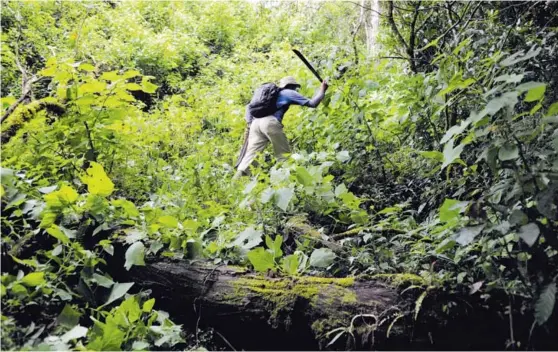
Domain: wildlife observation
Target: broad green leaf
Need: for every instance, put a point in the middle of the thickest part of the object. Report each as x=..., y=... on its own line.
x=529, y=233
x=92, y=87
x=57, y=233
x=191, y=225
x=133, y=86
x=76, y=333
x=520, y=56
x=434, y=154
x=343, y=156
x=168, y=221
x=350, y=200
x=141, y=345
x=97, y=180
x=322, y=257
x=131, y=73
x=289, y=264
x=509, y=78
x=508, y=152
x=527, y=86
x=250, y=186
x=545, y=303
x=451, y=154
x=131, y=308
x=248, y=238
x=445, y=245
x=48, y=72
x=466, y=235
x=47, y=190
x=19, y=290
x=275, y=245
x=454, y=130
x=67, y=194
x=340, y=190
x=283, y=197
x=451, y=208
x=147, y=86
x=261, y=259
x=148, y=305
x=123, y=95
x=110, y=339
x=267, y=195
x=118, y=290
x=103, y=280
x=34, y=279
x=552, y=110
x=303, y=176
x=535, y=93
x=518, y=217
x=496, y=104
x=135, y=255
x=111, y=76
x=69, y=317
x=86, y=67
x=128, y=207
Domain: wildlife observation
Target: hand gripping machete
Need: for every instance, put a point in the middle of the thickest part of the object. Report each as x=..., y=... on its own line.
x=301, y=57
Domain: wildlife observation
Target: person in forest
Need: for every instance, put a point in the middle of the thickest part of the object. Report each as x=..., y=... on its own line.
x=269, y=128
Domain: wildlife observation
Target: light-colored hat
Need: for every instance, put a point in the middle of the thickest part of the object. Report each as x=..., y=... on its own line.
x=285, y=81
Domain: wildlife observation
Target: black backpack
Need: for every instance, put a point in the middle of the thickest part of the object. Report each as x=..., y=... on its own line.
x=264, y=101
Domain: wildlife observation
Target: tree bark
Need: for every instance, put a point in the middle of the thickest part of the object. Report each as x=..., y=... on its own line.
x=254, y=311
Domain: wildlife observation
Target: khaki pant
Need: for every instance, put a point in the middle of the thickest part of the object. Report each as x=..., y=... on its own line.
x=262, y=131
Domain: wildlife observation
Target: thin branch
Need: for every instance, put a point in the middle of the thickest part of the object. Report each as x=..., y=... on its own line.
x=355, y=32
x=412, y=37
x=394, y=27
x=90, y=141
x=366, y=8
x=25, y=94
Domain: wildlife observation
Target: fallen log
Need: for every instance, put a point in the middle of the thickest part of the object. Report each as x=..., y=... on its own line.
x=259, y=312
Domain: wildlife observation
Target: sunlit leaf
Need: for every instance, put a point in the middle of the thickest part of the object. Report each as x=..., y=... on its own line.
x=97, y=180
x=529, y=233
x=134, y=255
x=261, y=259
x=34, y=279
x=322, y=257
x=118, y=290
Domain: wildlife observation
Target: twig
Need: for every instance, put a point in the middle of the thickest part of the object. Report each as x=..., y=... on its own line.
x=366, y=8
x=90, y=141
x=394, y=26
x=224, y=339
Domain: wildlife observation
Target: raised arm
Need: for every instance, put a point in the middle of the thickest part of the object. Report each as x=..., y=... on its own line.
x=319, y=96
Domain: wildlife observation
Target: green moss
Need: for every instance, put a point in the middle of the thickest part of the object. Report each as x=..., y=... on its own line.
x=399, y=279
x=282, y=293
x=299, y=224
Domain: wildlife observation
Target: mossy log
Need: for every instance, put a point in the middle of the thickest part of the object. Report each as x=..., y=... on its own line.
x=256, y=311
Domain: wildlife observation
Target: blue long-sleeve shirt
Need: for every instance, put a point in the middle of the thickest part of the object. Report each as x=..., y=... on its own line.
x=288, y=97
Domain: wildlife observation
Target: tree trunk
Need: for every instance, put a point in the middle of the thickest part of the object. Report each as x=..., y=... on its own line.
x=257, y=312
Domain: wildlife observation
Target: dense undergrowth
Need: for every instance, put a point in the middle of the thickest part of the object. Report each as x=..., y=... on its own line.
x=436, y=171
